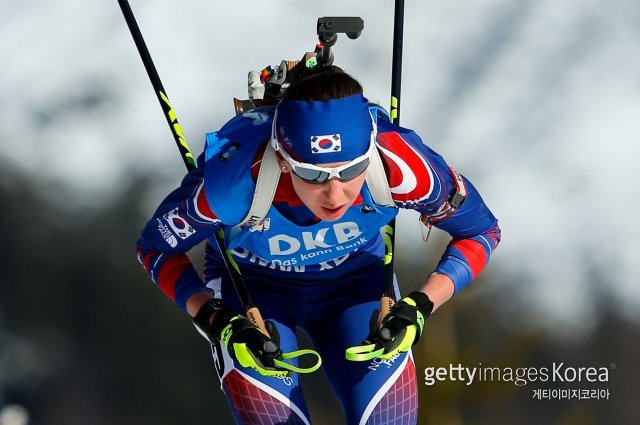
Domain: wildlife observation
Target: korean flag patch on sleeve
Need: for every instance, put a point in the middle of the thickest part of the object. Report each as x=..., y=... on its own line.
x=326, y=144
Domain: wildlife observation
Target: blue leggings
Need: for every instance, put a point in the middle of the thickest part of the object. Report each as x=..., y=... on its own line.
x=335, y=314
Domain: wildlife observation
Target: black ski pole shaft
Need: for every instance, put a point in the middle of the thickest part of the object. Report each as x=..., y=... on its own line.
x=388, y=297
x=251, y=311
x=396, y=67
x=176, y=130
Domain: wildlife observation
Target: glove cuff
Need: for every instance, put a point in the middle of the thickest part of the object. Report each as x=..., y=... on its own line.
x=212, y=328
x=422, y=302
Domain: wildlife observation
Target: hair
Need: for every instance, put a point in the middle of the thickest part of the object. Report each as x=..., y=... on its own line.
x=323, y=84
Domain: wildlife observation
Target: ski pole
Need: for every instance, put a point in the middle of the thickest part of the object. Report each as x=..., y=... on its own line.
x=250, y=309
x=388, y=297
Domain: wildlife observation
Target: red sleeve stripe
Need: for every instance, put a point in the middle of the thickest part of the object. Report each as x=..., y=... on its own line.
x=144, y=257
x=494, y=234
x=170, y=272
x=147, y=260
x=473, y=252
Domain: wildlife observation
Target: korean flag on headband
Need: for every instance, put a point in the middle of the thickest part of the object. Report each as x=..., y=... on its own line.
x=326, y=144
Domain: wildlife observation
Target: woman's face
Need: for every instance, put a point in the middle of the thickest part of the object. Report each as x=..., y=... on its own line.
x=330, y=200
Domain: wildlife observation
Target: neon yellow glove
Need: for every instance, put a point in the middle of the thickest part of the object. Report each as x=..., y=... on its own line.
x=400, y=330
x=246, y=342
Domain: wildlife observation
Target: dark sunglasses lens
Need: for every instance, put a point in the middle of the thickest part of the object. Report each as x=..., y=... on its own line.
x=311, y=176
x=354, y=171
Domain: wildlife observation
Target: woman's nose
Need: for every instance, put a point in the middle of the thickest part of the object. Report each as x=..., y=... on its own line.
x=333, y=190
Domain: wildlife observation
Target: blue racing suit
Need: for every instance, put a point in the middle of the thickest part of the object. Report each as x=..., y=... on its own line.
x=322, y=277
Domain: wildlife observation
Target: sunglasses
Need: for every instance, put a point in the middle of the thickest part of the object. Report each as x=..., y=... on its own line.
x=318, y=175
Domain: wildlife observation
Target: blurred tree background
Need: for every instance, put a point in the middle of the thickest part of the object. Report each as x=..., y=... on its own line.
x=536, y=102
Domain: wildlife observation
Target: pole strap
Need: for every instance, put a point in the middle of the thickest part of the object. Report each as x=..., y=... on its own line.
x=296, y=354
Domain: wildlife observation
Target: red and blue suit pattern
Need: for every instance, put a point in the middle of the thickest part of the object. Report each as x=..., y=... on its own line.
x=331, y=303
x=412, y=168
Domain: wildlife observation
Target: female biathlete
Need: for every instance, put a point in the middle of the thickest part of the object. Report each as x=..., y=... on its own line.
x=332, y=173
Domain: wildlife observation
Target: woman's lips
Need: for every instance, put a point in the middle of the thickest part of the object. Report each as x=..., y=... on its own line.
x=333, y=210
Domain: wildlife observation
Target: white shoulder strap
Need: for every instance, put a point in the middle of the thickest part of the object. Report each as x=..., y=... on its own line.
x=266, y=185
x=377, y=181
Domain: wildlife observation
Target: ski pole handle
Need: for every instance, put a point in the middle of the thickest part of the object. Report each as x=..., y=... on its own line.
x=254, y=316
x=386, y=303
